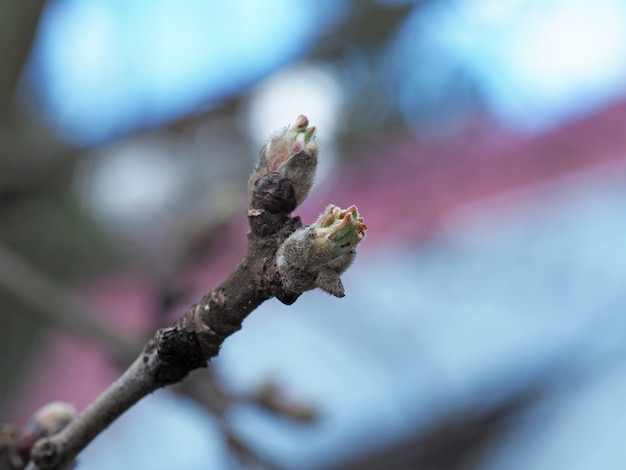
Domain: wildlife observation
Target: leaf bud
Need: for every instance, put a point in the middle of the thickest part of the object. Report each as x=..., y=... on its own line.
x=291, y=152
x=50, y=419
x=316, y=255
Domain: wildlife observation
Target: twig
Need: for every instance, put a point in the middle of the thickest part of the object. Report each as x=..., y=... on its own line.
x=245, y=453
x=54, y=304
x=174, y=352
x=283, y=260
x=18, y=23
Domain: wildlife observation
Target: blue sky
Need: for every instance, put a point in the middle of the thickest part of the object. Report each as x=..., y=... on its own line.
x=535, y=63
x=103, y=68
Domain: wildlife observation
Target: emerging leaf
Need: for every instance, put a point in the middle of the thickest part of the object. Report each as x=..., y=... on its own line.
x=291, y=152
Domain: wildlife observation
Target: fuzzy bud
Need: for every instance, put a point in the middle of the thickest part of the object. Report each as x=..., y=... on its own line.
x=50, y=419
x=46, y=421
x=316, y=255
x=291, y=152
x=10, y=458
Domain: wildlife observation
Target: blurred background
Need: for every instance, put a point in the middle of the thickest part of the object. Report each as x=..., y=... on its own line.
x=484, y=144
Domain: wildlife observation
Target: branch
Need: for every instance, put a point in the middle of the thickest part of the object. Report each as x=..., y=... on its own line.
x=18, y=24
x=55, y=305
x=283, y=260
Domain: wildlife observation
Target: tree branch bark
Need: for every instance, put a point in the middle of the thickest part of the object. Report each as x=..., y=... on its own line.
x=195, y=338
x=280, y=182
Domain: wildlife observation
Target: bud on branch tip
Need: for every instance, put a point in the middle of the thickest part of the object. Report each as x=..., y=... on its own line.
x=316, y=255
x=291, y=152
x=344, y=228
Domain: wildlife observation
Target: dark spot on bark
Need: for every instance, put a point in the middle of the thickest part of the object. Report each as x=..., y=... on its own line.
x=179, y=352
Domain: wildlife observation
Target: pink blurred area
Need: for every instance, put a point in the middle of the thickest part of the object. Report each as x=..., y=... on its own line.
x=404, y=188
x=77, y=369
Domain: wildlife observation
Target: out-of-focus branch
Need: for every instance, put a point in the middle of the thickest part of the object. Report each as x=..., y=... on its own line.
x=55, y=305
x=18, y=24
x=245, y=453
x=283, y=260
x=207, y=390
